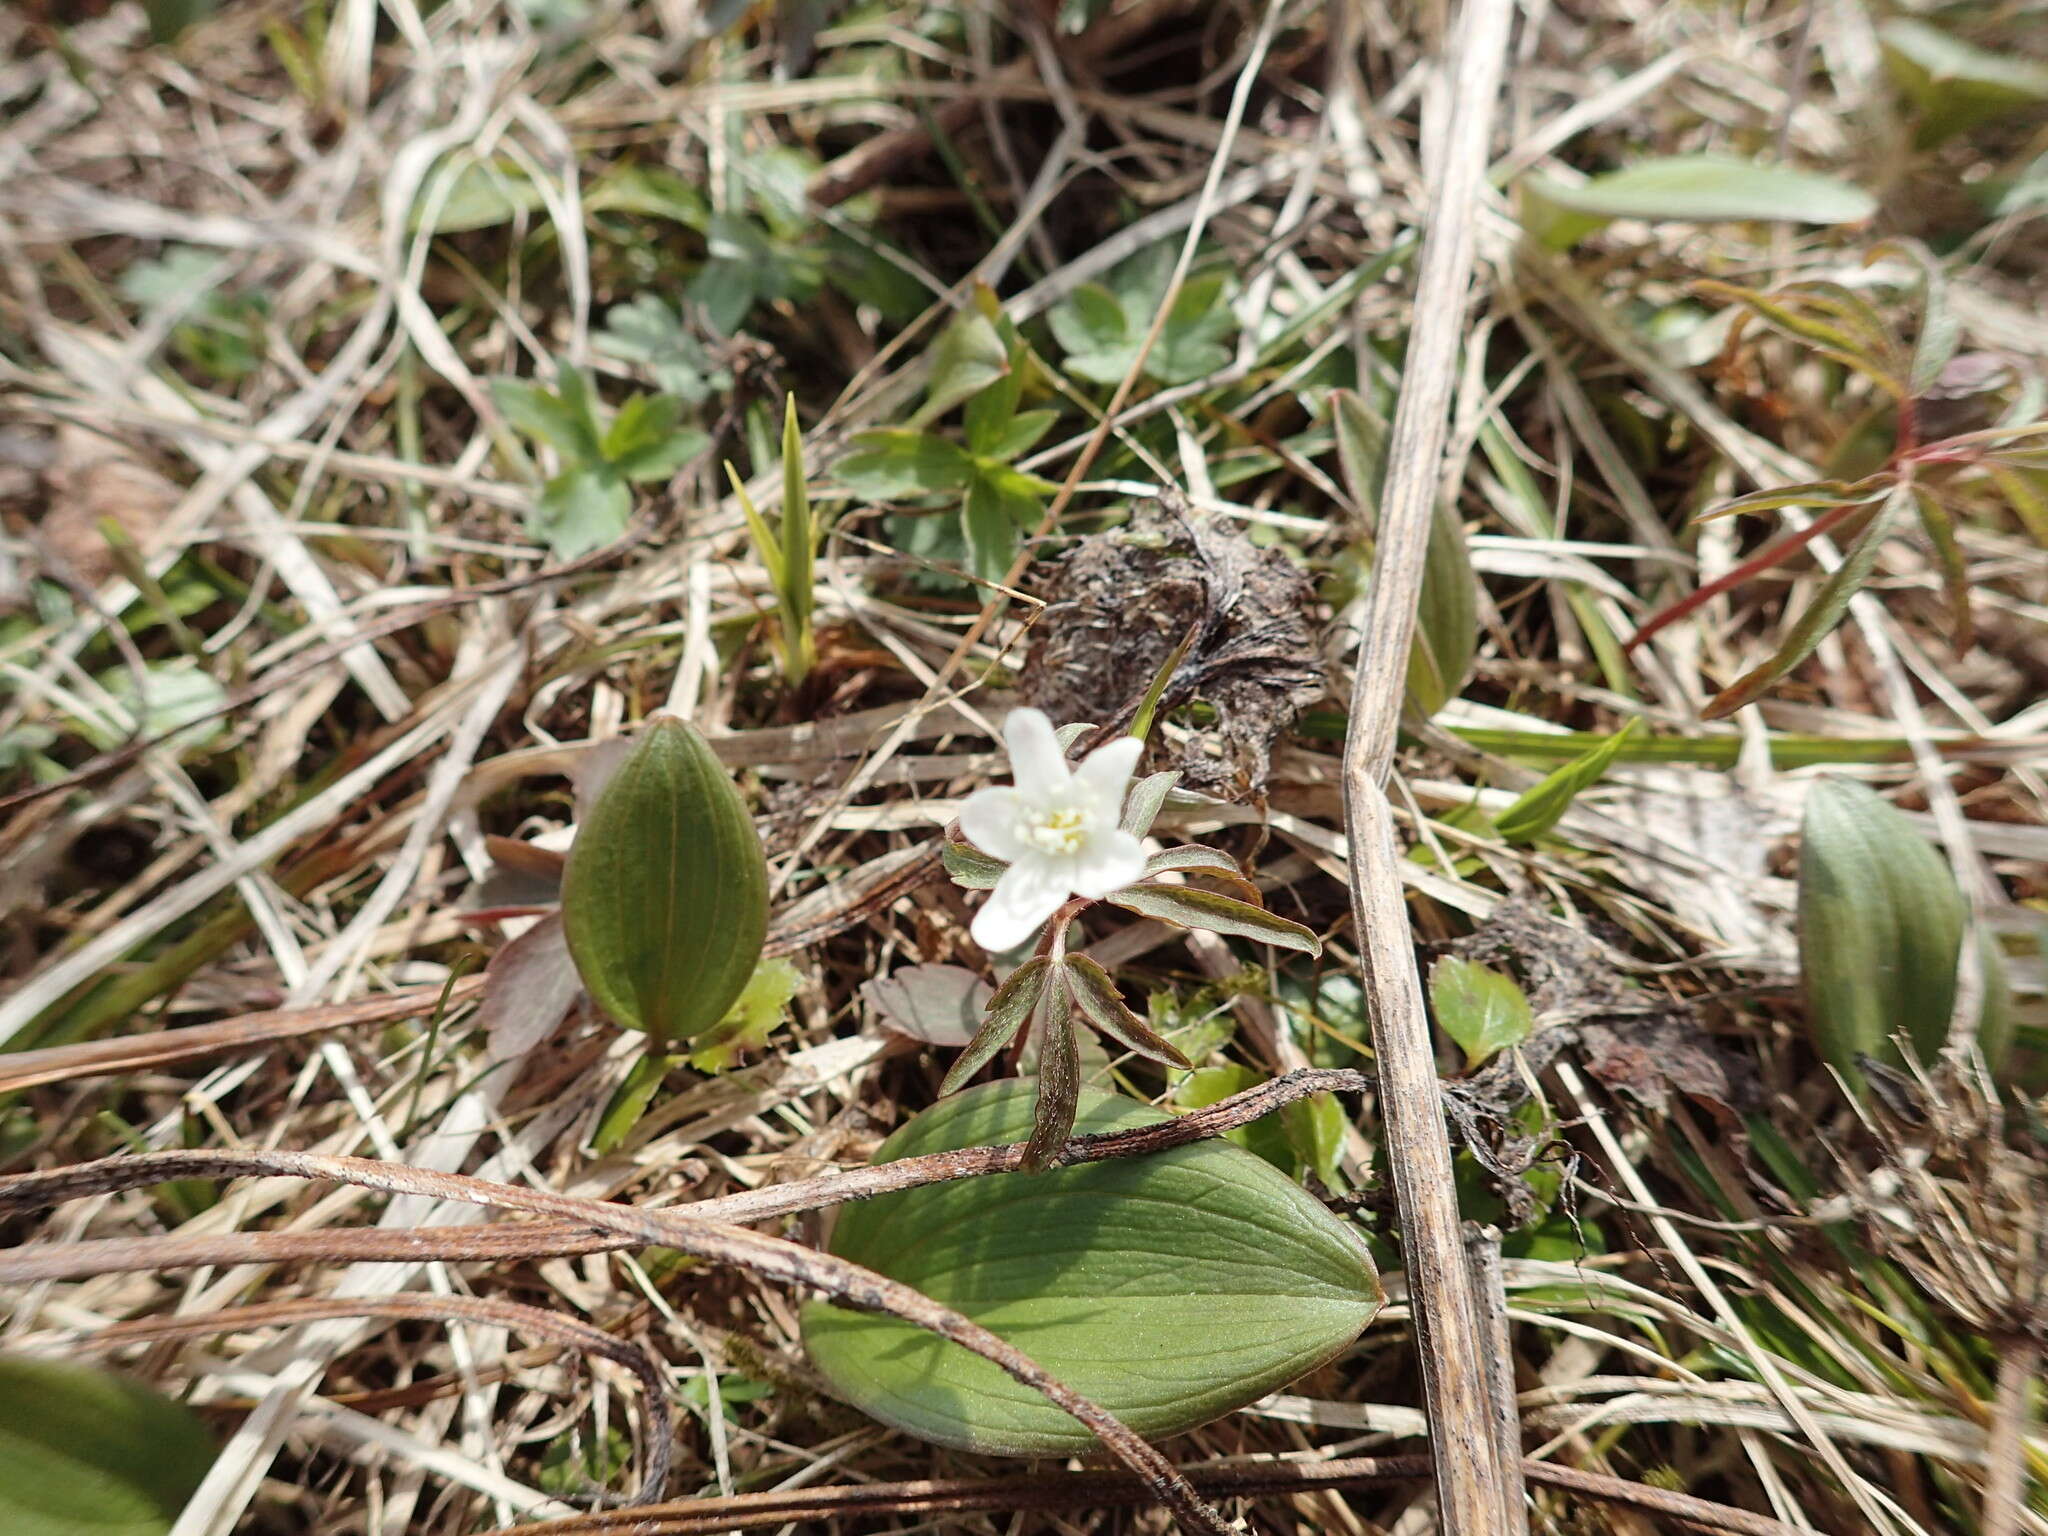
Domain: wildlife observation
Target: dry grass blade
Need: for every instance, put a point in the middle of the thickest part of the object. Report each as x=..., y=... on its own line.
x=1109, y=1490
x=659, y=1438
x=1473, y=1490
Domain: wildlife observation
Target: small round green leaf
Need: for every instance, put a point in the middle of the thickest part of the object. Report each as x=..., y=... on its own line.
x=1171, y=1289
x=84, y=1452
x=1880, y=928
x=665, y=898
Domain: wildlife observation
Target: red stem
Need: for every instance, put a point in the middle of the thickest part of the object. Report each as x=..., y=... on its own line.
x=1773, y=553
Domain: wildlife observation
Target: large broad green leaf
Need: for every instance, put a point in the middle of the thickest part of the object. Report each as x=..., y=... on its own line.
x=1880, y=928
x=1170, y=1289
x=665, y=898
x=84, y=1452
x=1689, y=189
x=1953, y=85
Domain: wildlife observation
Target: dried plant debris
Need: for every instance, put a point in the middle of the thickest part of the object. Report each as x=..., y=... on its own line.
x=1121, y=603
x=1631, y=1038
x=1947, y=1190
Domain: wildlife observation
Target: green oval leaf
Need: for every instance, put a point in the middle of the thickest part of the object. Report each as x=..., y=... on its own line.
x=84, y=1452
x=1880, y=928
x=1690, y=189
x=1477, y=1006
x=665, y=897
x=1171, y=1289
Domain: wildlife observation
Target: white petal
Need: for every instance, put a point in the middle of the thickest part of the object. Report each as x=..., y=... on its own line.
x=1112, y=860
x=1036, y=761
x=1030, y=891
x=1105, y=775
x=991, y=817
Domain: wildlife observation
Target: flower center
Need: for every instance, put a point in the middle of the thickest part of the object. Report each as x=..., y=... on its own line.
x=1057, y=831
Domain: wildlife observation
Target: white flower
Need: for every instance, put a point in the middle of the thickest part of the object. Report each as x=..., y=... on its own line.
x=1058, y=827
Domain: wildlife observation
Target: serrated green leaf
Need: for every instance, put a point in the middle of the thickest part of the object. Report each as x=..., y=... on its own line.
x=1955, y=86
x=658, y=461
x=1170, y=1289
x=1693, y=189
x=665, y=896
x=649, y=332
x=1099, y=1001
x=762, y=1004
x=581, y=509
x=1186, y=907
x=546, y=418
x=642, y=422
x=990, y=528
x=968, y=358
x=1481, y=1009
x=1019, y=436
x=1880, y=929
x=1537, y=809
x=84, y=1452
x=1191, y=343
x=895, y=463
x=1094, y=332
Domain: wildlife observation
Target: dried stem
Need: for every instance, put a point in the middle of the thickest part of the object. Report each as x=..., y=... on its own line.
x=530, y=1240
x=2005, y=1490
x=1450, y=1348
x=1105, y=1490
